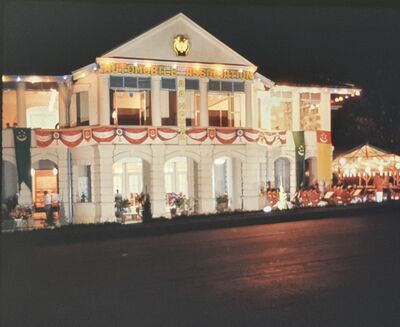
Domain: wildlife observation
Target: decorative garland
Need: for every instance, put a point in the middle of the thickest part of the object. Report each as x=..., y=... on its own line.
x=73, y=137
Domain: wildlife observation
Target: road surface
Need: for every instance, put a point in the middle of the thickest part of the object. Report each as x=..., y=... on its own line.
x=330, y=272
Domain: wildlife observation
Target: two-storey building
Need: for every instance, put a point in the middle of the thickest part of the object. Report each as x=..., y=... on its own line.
x=172, y=110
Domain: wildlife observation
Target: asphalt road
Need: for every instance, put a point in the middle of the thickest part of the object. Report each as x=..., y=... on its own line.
x=330, y=272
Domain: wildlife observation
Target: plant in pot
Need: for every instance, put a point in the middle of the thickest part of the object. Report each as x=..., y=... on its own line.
x=121, y=205
x=222, y=202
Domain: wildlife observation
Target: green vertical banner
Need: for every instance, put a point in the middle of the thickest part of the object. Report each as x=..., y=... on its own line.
x=22, y=143
x=300, y=147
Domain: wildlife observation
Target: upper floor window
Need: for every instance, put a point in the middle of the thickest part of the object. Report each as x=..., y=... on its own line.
x=192, y=102
x=281, y=111
x=130, y=98
x=226, y=103
x=168, y=102
x=82, y=108
x=310, y=119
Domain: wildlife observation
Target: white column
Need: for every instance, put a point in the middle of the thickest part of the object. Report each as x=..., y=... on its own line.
x=205, y=177
x=103, y=190
x=63, y=180
x=325, y=111
x=62, y=104
x=204, y=102
x=268, y=109
x=296, y=111
x=155, y=101
x=249, y=92
x=157, y=188
x=251, y=178
x=21, y=104
x=104, y=100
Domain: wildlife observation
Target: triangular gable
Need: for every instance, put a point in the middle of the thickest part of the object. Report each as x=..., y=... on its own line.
x=157, y=44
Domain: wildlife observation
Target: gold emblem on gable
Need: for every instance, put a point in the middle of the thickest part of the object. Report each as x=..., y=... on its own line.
x=181, y=45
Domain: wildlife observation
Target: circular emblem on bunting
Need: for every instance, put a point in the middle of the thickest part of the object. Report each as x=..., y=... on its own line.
x=239, y=132
x=181, y=45
x=56, y=135
x=301, y=150
x=119, y=132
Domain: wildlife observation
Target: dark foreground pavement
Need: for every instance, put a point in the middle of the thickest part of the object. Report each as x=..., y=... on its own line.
x=331, y=272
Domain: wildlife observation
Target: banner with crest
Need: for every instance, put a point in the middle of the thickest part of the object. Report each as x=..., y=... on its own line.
x=22, y=142
x=324, y=152
x=300, y=148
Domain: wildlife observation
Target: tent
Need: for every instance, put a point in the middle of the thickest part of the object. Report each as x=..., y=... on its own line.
x=367, y=161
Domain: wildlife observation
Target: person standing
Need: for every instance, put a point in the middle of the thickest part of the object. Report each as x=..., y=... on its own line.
x=48, y=209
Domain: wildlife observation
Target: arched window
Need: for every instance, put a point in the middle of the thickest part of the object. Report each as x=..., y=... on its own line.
x=282, y=173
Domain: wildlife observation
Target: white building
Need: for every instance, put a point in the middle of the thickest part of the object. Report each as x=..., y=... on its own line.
x=172, y=110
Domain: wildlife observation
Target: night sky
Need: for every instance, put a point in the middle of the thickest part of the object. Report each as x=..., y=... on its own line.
x=303, y=44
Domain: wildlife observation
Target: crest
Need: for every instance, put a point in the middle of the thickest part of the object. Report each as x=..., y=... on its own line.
x=211, y=133
x=301, y=151
x=152, y=132
x=181, y=45
x=87, y=134
x=22, y=136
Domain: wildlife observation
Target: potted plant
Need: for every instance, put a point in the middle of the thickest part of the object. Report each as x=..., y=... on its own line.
x=222, y=202
x=121, y=205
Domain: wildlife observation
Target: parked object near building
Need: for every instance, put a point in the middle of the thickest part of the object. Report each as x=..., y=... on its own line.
x=172, y=111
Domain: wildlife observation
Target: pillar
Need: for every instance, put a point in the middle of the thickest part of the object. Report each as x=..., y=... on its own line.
x=104, y=100
x=103, y=190
x=203, y=88
x=249, y=92
x=251, y=178
x=62, y=104
x=205, y=177
x=21, y=104
x=63, y=182
x=155, y=101
x=296, y=116
x=157, y=188
x=325, y=111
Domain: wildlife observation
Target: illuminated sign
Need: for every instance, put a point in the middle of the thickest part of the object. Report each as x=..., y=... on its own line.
x=161, y=70
x=181, y=45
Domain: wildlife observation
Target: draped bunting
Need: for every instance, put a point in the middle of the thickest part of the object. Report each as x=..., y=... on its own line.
x=106, y=134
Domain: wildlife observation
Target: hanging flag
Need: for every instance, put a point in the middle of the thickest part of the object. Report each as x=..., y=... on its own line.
x=324, y=157
x=22, y=142
x=300, y=147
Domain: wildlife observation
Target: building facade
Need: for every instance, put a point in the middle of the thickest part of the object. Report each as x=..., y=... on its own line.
x=173, y=110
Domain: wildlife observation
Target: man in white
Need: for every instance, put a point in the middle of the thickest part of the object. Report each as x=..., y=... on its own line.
x=47, y=207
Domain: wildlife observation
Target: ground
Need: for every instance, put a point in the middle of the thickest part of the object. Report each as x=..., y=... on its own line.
x=330, y=272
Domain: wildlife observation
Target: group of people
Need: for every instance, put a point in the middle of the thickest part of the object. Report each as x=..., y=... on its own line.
x=315, y=196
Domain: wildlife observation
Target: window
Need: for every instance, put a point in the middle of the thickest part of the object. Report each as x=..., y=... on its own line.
x=84, y=187
x=168, y=102
x=82, y=108
x=282, y=173
x=192, y=102
x=310, y=119
x=226, y=105
x=191, y=84
x=281, y=111
x=130, y=98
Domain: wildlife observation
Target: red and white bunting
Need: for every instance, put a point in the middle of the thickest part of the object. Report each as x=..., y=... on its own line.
x=136, y=135
x=103, y=134
x=43, y=138
x=166, y=134
x=71, y=139
x=107, y=134
x=197, y=134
